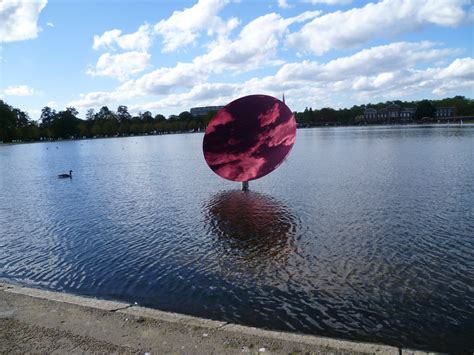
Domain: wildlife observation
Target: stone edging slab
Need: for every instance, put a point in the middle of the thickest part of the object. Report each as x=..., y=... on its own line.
x=67, y=298
x=171, y=317
x=128, y=309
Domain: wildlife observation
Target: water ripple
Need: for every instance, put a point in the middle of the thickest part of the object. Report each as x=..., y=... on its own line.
x=364, y=233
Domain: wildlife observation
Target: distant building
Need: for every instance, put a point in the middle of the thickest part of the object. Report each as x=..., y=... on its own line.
x=370, y=115
x=392, y=113
x=407, y=113
x=201, y=111
x=445, y=112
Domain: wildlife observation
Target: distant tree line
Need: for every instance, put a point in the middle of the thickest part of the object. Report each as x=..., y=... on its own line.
x=425, y=110
x=16, y=125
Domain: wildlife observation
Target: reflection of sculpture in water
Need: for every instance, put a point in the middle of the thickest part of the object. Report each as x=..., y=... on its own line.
x=251, y=225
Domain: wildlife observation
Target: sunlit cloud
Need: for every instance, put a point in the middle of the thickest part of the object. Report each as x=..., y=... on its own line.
x=140, y=40
x=19, y=19
x=19, y=90
x=382, y=19
x=121, y=66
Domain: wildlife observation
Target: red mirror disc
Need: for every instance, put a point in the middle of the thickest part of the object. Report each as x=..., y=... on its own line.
x=249, y=138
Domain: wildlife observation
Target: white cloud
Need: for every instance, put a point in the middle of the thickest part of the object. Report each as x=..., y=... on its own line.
x=372, y=85
x=121, y=66
x=453, y=87
x=460, y=68
x=348, y=29
x=19, y=90
x=140, y=40
x=107, y=40
x=405, y=82
x=49, y=24
x=283, y=4
x=385, y=72
x=19, y=19
x=359, y=77
x=33, y=113
x=202, y=94
x=369, y=61
x=162, y=81
x=257, y=44
x=458, y=75
x=329, y=2
x=183, y=27
x=179, y=30
x=94, y=100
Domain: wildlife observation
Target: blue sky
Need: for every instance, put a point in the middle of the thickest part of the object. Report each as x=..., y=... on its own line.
x=168, y=56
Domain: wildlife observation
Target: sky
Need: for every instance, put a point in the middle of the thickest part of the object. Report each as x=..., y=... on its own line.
x=168, y=56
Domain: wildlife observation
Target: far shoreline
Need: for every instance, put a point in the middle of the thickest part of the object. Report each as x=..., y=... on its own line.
x=457, y=123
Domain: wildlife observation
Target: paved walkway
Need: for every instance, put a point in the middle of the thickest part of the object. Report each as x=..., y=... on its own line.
x=39, y=321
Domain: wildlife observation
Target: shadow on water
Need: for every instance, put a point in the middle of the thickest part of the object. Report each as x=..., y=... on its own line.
x=251, y=226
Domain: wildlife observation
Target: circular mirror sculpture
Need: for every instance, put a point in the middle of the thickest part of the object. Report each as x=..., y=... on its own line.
x=249, y=138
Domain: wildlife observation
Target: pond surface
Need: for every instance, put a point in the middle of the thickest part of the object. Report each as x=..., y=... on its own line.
x=363, y=233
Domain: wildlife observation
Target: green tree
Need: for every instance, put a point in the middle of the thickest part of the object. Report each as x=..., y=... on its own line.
x=328, y=114
x=90, y=114
x=185, y=116
x=104, y=114
x=22, y=118
x=424, y=109
x=84, y=128
x=7, y=123
x=66, y=124
x=146, y=117
x=123, y=114
x=96, y=129
x=47, y=116
x=160, y=118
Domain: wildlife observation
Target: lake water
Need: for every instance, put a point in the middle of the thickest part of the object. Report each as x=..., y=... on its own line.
x=363, y=233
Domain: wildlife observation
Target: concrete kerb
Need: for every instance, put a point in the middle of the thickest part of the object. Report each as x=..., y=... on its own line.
x=314, y=340
x=66, y=298
x=171, y=317
x=137, y=311
x=4, y=286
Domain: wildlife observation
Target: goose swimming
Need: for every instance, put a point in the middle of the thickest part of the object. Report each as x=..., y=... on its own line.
x=63, y=176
